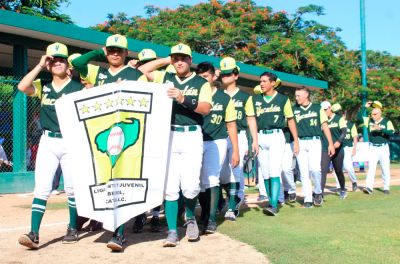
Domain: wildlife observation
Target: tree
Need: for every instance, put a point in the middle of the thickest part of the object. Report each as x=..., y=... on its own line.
x=257, y=35
x=45, y=9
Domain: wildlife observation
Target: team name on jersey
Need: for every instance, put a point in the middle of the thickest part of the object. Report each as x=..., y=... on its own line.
x=217, y=107
x=102, y=76
x=271, y=109
x=372, y=125
x=237, y=103
x=47, y=101
x=333, y=125
x=190, y=91
x=301, y=117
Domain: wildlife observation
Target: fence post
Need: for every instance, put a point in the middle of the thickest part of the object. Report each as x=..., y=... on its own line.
x=20, y=67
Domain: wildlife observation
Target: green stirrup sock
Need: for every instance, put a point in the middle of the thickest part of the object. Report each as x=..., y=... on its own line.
x=171, y=213
x=275, y=188
x=38, y=208
x=233, y=195
x=73, y=213
x=120, y=229
x=190, y=207
x=267, y=184
x=214, y=191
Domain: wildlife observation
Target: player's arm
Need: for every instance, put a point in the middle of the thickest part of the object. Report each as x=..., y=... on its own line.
x=288, y=112
x=81, y=63
x=354, y=134
x=149, y=68
x=343, y=130
x=26, y=85
x=327, y=132
x=202, y=106
x=252, y=123
x=361, y=114
x=230, y=121
x=389, y=130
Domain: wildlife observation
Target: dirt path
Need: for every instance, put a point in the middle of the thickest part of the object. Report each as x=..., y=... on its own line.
x=91, y=248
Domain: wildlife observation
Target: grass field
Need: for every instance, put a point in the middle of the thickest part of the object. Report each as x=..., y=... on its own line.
x=360, y=229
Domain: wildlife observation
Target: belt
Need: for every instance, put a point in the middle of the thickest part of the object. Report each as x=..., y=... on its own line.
x=52, y=134
x=184, y=128
x=310, y=138
x=269, y=131
x=378, y=145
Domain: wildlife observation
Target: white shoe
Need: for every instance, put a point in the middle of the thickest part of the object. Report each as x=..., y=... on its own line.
x=55, y=192
x=230, y=215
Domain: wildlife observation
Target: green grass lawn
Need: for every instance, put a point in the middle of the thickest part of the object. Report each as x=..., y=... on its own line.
x=360, y=229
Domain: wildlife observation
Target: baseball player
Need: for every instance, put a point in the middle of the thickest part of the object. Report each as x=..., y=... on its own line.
x=232, y=177
x=379, y=131
x=52, y=149
x=115, y=52
x=144, y=56
x=272, y=109
x=217, y=125
x=349, y=147
x=338, y=127
x=192, y=100
x=288, y=164
x=311, y=121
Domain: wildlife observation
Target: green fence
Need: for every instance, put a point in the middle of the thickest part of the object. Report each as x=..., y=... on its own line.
x=19, y=133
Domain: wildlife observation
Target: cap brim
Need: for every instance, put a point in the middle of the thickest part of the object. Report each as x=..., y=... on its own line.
x=116, y=46
x=60, y=56
x=180, y=53
x=227, y=71
x=147, y=60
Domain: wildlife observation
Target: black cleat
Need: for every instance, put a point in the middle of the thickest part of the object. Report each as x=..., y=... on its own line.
x=211, y=227
x=318, y=200
x=139, y=223
x=116, y=243
x=269, y=210
x=292, y=197
x=367, y=190
x=308, y=205
x=155, y=224
x=94, y=226
x=71, y=236
x=386, y=192
x=30, y=240
x=355, y=187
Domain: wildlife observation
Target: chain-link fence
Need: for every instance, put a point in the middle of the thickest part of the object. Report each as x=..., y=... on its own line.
x=8, y=111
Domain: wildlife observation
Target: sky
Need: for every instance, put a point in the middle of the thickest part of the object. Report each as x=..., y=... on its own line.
x=381, y=17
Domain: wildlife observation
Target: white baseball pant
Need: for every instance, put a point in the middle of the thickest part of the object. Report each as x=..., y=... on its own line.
x=381, y=154
x=214, y=155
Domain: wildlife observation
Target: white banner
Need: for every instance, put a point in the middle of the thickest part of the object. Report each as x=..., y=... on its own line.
x=118, y=135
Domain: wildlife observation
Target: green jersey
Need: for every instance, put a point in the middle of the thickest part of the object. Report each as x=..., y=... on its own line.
x=98, y=75
x=309, y=120
x=351, y=133
x=336, y=123
x=377, y=136
x=271, y=113
x=48, y=93
x=242, y=103
x=193, y=87
x=222, y=111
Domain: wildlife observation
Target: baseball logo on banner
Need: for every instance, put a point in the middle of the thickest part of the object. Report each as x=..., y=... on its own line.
x=108, y=132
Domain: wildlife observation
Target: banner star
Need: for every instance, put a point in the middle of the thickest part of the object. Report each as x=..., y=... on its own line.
x=97, y=106
x=143, y=102
x=130, y=101
x=84, y=109
x=109, y=103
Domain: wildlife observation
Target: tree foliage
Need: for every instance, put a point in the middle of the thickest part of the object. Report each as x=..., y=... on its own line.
x=275, y=39
x=47, y=9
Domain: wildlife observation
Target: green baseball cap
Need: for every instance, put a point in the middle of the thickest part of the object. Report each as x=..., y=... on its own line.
x=336, y=107
x=57, y=49
x=181, y=49
x=228, y=65
x=117, y=41
x=147, y=55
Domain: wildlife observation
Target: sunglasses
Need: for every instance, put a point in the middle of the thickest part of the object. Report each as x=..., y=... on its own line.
x=226, y=74
x=114, y=50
